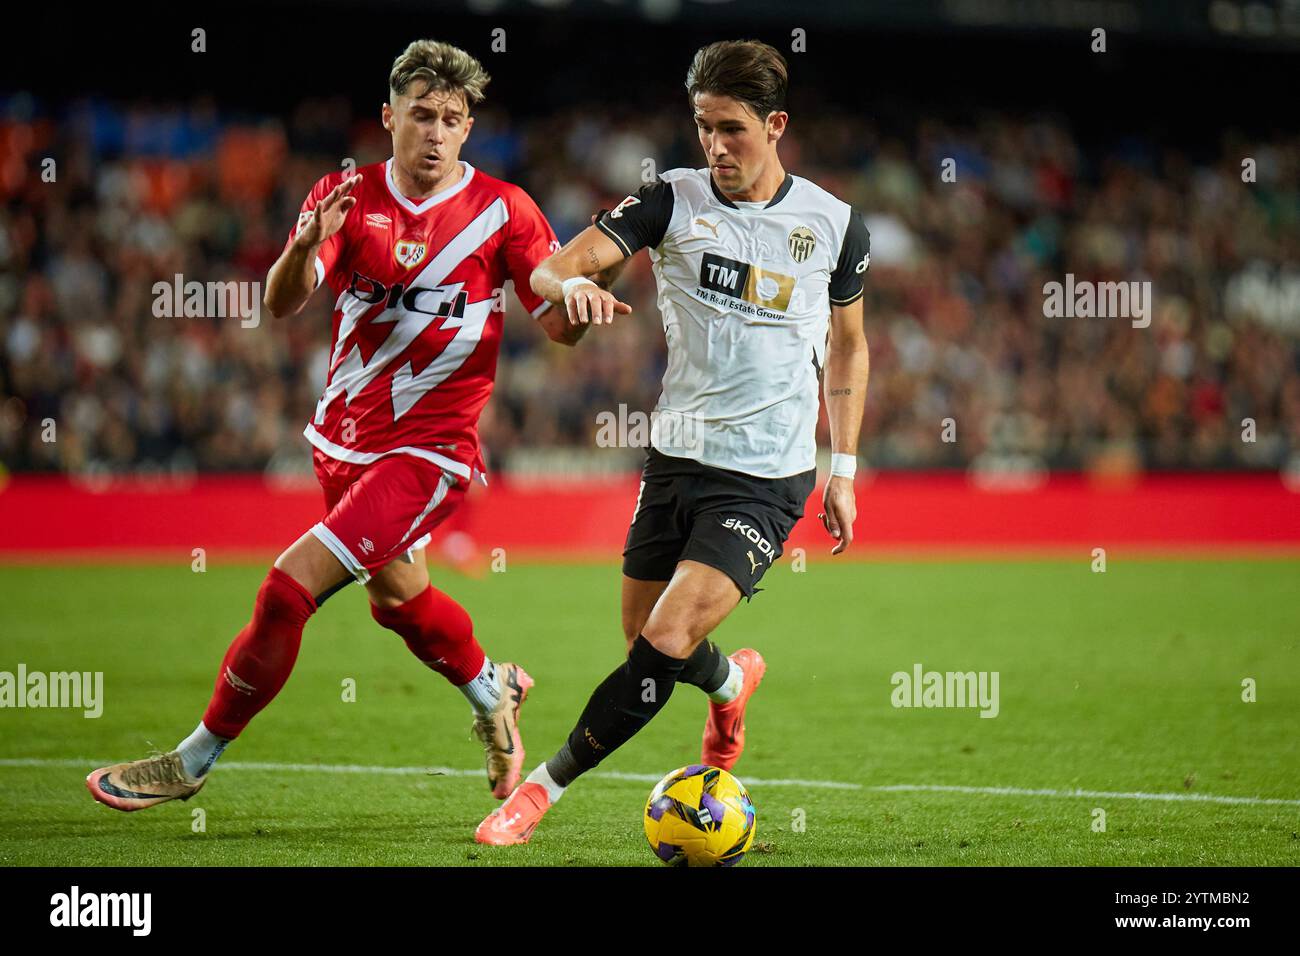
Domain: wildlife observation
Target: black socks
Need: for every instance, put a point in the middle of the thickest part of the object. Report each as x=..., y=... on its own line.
x=624, y=702
x=707, y=668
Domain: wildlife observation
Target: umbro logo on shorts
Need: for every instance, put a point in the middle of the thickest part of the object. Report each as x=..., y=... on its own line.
x=748, y=531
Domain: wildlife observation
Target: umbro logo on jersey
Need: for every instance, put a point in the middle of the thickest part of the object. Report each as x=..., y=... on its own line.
x=367, y=546
x=378, y=219
x=749, y=532
x=410, y=252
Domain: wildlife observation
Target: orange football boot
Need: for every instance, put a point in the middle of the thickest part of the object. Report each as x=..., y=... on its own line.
x=515, y=820
x=724, y=731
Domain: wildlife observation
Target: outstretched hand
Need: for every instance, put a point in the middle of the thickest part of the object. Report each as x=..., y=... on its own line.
x=328, y=215
x=588, y=302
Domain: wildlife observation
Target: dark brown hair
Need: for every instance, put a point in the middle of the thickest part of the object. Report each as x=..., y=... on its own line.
x=748, y=71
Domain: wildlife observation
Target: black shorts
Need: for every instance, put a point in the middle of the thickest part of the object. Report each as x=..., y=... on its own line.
x=731, y=521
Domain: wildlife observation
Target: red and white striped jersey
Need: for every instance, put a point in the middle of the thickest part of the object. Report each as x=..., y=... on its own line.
x=418, y=313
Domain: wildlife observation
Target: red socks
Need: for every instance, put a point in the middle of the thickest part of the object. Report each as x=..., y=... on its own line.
x=438, y=631
x=261, y=656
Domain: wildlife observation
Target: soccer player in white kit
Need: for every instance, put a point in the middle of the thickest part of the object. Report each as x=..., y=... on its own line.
x=754, y=267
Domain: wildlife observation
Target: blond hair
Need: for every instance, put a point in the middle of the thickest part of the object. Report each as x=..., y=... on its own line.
x=442, y=67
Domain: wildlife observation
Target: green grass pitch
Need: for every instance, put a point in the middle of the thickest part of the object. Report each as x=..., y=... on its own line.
x=1119, y=683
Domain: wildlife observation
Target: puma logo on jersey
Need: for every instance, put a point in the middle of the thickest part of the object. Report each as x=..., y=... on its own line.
x=708, y=225
x=753, y=565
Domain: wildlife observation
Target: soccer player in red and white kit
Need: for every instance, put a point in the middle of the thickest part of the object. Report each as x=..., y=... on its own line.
x=415, y=252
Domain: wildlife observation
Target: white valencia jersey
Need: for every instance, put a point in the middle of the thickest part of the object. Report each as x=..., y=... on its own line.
x=745, y=291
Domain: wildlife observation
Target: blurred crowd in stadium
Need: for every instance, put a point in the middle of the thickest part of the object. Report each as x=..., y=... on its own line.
x=954, y=298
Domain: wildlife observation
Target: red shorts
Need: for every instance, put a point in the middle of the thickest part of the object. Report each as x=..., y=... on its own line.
x=383, y=510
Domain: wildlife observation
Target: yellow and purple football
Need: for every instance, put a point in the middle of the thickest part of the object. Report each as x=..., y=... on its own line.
x=700, y=816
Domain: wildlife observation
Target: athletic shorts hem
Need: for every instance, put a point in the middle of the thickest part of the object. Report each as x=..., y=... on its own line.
x=340, y=551
x=743, y=585
x=727, y=520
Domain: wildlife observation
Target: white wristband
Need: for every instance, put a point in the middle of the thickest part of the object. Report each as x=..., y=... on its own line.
x=568, y=285
x=843, y=466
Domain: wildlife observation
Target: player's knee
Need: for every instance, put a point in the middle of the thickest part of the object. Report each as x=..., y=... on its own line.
x=406, y=618
x=311, y=565
x=686, y=615
x=281, y=598
x=385, y=599
x=675, y=641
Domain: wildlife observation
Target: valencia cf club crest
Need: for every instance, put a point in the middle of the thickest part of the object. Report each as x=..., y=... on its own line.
x=802, y=242
x=410, y=252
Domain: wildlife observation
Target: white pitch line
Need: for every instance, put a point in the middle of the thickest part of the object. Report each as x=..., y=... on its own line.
x=755, y=781
x=1094, y=794
x=422, y=771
